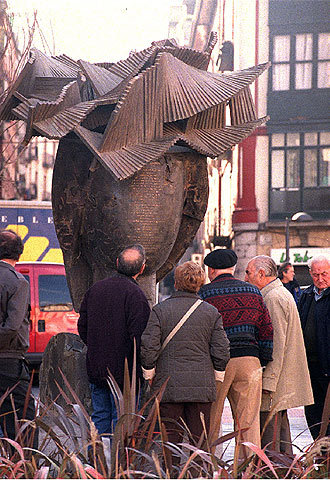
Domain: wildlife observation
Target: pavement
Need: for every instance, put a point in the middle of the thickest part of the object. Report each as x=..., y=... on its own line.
x=300, y=435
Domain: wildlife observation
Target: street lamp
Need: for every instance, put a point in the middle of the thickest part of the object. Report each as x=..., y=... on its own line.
x=297, y=217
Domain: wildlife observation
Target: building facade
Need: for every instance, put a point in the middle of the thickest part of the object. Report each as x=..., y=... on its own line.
x=298, y=103
x=25, y=173
x=284, y=167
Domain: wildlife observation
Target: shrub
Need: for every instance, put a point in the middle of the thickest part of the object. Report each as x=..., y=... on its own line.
x=69, y=447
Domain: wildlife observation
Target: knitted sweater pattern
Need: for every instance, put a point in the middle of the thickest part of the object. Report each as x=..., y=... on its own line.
x=245, y=316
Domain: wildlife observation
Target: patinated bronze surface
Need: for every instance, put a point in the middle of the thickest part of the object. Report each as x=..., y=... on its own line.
x=96, y=215
x=134, y=137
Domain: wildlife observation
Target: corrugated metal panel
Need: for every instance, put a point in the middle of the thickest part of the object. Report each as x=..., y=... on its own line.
x=169, y=91
x=102, y=80
x=144, y=104
x=215, y=142
x=127, y=161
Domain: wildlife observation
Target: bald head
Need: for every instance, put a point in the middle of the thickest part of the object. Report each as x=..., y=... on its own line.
x=131, y=261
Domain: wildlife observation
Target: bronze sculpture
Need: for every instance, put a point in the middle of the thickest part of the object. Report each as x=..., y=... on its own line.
x=134, y=137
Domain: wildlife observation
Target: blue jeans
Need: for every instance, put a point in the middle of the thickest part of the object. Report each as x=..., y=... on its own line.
x=104, y=413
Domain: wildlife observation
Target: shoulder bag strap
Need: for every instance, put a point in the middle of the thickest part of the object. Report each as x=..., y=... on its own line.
x=179, y=325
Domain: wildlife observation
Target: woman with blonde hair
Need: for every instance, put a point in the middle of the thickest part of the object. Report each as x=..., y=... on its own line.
x=185, y=342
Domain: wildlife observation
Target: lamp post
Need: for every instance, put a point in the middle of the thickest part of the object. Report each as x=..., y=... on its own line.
x=297, y=217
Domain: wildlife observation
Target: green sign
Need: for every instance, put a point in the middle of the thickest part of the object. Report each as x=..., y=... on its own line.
x=297, y=257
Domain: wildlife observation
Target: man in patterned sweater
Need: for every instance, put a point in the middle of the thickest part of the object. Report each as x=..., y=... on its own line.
x=249, y=329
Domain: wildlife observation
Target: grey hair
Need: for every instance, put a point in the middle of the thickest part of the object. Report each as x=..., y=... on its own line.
x=265, y=263
x=318, y=259
x=232, y=269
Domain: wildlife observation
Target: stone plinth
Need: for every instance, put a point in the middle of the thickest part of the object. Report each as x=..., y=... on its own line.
x=64, y=353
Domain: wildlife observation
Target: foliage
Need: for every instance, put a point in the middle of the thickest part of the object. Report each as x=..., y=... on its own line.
x=69, y=447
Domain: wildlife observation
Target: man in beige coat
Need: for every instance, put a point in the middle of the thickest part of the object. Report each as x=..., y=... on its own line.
x=286, y=382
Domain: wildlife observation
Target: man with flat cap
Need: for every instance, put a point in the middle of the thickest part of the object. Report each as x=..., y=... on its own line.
x=249, y=329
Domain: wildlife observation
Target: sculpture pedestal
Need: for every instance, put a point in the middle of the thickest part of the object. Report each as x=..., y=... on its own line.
x=64, y=353
x=148, y=285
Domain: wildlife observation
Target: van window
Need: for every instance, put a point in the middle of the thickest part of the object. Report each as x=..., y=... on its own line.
x=54, y=295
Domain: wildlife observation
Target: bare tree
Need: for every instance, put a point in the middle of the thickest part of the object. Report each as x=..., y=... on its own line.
x=12, y=60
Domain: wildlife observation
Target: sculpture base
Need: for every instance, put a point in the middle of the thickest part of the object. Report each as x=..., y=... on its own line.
x=64, y=353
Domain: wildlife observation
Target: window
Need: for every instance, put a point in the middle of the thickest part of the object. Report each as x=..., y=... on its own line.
x=54, y=295
x=285, y=161
x=323, y=64
x=281, y=62
x=304, y=57
x=299, y=173
x=301, y=61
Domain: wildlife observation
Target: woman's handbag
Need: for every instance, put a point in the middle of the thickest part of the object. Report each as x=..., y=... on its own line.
x=179, y=325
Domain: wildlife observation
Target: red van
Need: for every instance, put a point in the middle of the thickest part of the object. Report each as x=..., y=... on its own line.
x=51, y=305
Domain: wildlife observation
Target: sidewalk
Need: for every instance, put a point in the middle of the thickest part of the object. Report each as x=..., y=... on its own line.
x=300, y=434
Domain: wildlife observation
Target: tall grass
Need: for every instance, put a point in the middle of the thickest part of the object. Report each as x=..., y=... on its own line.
x=70, y=447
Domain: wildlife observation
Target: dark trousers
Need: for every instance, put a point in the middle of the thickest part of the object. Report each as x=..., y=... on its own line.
x=190, y=413
x=277, y=434
x=314, y=412
x=15, y=371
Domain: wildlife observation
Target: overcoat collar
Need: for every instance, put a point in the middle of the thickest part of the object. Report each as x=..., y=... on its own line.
x=274, y=284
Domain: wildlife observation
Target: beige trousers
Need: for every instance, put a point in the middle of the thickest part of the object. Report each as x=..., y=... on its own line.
x=242, y=385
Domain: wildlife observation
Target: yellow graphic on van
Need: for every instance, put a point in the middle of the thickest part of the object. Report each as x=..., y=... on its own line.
x=53, y=255
x=21, y=230
x=35, y=247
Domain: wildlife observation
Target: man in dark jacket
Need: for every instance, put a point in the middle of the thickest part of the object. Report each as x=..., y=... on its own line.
x=314, y=310
x=286, y=275
x=113, y=313
x=14, y=341
x=249, y=330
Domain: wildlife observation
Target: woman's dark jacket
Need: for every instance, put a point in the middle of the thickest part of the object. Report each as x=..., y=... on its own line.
x=322, y=323
x=189, y=359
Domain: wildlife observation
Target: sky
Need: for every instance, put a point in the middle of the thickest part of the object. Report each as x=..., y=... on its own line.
x=95, y=30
